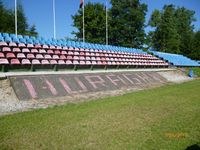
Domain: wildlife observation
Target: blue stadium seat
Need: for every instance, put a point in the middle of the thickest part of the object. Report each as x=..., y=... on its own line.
x=1, y=39
x=22, y=40
x=8, y=39
x=5, y=35
x=15, y=39
x=176, y=59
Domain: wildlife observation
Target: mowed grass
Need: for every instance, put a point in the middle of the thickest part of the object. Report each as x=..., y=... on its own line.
x=166, y=118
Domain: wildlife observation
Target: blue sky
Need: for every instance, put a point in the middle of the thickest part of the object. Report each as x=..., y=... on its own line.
x=39, y=12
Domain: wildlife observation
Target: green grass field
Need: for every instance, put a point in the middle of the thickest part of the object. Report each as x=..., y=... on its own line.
x=166, y=118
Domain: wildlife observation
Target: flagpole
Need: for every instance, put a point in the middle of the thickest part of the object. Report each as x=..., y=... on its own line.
x=106, y=22
x=16, y=18
x=83, y=21
x=54, y=20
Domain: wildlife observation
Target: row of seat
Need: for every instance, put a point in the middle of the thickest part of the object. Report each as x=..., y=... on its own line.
x=76, y=53
x=29, y=40
x=176, y=59
x=62, y=57
x=15, y=61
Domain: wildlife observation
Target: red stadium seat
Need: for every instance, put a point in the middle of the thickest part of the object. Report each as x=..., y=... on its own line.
x=26, y=62
x=50, y=52
x=71, y=48
x=69, y=57
x=63, y=57
x=44, y=62
x=64, y=52
x=12, y=44
x=30, y=56
x=3, y=61
x=21, y=55
x=92, y=54
x=82, y=53
x=55, y=57
x=103, y=58
x=94, y=62
x=57, y=52
x=35, y=62
x=109, y=63
x=88, y=58
x=16, y=50
x=6, y=49
x=68, y=62
x=14, y=62
x=93, y=58
x=65, y=48
x=45, y=46
x=97, y=54
x=2, y=55
x=38, y=46
x=70, y=53
x=53, y=62
x=3, y=44
x=39, y=56
x=42, y=51
x=76, y=58
x=76, y=53
x=98, y=58
x=10, y=55
x=21, y=45
x=25, y=50
x=99, y=63
x=34, y=51
x=47, y=56
x=58, y=47
x=82, y=62
x=52, y=47
x=30, y=46
x=75, y=62
x=88, y=62
x=61, y=62
x=82, y=58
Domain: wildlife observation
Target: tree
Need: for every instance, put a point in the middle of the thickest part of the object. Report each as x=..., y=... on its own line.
x=173, y=29
x=184, y=20
x=95, y=23
x=195, y=53
x=32, y=31
x=7, y=21
x=165, y=38
x=127, y=20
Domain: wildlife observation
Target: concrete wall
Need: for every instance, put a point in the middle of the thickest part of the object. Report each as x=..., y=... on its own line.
x=49, y=86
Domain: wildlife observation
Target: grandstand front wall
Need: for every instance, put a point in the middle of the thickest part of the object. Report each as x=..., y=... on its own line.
x=48, y=86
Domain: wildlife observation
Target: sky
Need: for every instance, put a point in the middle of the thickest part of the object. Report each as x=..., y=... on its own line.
x=39, y=12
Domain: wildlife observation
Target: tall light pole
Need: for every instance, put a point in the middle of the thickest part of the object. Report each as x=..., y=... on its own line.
x=16, y=18
x=83, y=21
x=106, y=22
x=54, y=20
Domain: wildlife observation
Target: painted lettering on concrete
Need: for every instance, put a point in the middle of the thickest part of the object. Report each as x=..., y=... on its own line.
x=34, y=87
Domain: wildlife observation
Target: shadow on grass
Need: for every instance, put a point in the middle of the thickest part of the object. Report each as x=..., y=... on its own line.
x=193, y=147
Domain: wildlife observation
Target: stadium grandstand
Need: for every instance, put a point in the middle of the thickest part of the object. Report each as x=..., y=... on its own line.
x=31, y=52
x=176, y=59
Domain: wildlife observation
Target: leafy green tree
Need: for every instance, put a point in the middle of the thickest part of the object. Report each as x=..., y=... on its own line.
x=32, y=31
x=127, y=22
x=173, y=30
x=165, y=38
x=95, y=23
x=184, y=20
x=195, y=53
x=7, y=21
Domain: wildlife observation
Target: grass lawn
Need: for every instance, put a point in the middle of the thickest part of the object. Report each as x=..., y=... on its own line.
x=166, y=118
x=197, y=71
